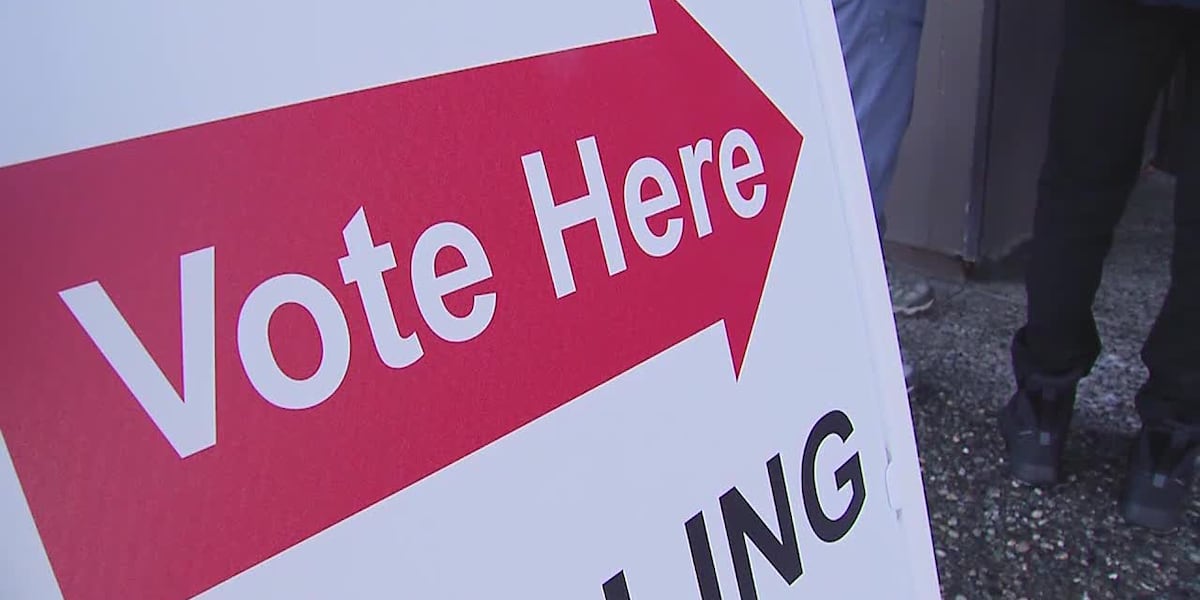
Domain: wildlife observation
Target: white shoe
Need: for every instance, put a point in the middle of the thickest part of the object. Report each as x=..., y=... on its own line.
x=910, y=299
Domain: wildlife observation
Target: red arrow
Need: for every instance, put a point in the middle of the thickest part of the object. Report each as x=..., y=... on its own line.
x=123, y=516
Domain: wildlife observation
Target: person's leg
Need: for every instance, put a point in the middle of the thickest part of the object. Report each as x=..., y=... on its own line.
x=1162, y=462
x=1166, y=142
x=1172, y=351
x=881, y=41
x=1116, y=57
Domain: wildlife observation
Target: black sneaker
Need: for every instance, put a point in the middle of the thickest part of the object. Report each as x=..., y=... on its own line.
x=1034, y=424
x=1162, y=465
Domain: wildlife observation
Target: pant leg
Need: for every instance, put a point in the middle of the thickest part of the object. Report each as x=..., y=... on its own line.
x=1172, y=352
x=1167, y=141
x=880, y=43
x=1116, y=57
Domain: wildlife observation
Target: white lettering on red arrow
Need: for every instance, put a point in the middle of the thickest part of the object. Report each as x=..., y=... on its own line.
x=693, y=159
x=639, y=209
x=189, y=423
x=364, y=264
x=555, y=218
x=731, y=175
x=432, y=289
x=254, y=342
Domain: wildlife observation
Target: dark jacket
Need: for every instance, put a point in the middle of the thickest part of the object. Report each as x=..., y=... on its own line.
x=1189, y=4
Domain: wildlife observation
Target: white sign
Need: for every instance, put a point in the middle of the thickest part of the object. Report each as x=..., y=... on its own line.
x=445, y=300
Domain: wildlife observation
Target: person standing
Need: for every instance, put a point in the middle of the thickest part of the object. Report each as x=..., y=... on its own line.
x=1117, y=56
x=880, y=43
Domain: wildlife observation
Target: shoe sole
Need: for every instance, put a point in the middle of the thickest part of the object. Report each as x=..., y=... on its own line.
x=1034, y=474
x=1149, y=517
x=1157, y=518
x=913, y=311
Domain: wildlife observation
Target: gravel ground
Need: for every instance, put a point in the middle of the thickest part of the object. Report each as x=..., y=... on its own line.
x=995, y=538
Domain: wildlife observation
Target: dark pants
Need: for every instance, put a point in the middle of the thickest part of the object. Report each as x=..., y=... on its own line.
x=1166, y=151
x=1117, y=56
